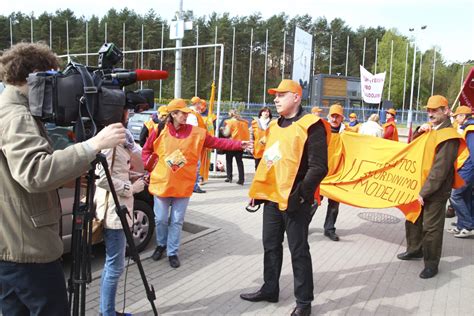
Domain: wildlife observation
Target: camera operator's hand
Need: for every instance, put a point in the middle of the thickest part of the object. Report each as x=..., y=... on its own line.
x=109, y=137
x=138, y=186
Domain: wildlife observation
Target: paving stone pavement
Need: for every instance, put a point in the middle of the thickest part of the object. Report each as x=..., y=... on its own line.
x=359, y=275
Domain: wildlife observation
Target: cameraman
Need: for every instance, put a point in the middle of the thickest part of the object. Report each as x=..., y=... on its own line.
x=31, y=275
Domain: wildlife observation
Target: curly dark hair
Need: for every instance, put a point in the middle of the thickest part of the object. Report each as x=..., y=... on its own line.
x=265, y=108
x=24, y=58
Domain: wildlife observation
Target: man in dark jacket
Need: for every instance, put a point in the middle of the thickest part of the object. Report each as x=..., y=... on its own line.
x=286, y=180
x=425, y=236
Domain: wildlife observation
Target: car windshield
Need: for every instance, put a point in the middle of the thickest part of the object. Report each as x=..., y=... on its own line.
x=139, y=117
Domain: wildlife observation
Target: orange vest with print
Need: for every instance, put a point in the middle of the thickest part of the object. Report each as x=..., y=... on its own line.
x=150, y=125
x=259, y=140
x=239, y=130
x=175, y=172
x=281, y=159
x=395, y=131
x=465, y=153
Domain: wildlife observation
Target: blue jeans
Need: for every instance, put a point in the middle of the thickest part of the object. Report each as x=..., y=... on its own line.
x=115, y=242
x=461, y=201
x=196, y=184
x=32, y=289
x=168, y=231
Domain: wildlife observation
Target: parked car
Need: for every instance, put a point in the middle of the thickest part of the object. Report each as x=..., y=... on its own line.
x=136, y=121
x=143, y=215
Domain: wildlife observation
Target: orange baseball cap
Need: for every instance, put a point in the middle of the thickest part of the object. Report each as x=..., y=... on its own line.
x=392, y=111
x=353, y=115
x=162, y=110
x=178, y=105
x=436, y=101
x=316, y=109
x=195, y=100
x=287, y=85
x=336, y=109
x=462, y=110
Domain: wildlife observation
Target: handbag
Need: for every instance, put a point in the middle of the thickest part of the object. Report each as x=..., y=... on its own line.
x=98, y=224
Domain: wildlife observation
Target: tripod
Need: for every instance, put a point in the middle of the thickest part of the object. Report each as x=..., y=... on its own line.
x=81, y=245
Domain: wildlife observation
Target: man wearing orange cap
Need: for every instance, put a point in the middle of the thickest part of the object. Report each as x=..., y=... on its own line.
x=293, y=165
x=354, y=124
x=152, y=123
x=425, y=236
x=461, y=199
x=390, y=130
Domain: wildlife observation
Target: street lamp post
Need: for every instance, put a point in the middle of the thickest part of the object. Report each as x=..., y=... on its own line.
x=410, y=111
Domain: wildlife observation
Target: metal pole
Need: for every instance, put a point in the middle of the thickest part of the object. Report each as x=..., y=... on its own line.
x=219, y=94
x=265, y=69
x=105, y=33
x=161, y=54
x=67, y=38
x=178, y=58
x=87, y=43
x=11, y=33
x=376, y=53
x=314, y=59
x=330, y=55
x=215, y=54
x=462, y=76
x=410, y=111
x=405, y=82
x=434, y=69
x=390, y=77
x=123, y=44
x=50, y=34
x=141, y=56
x=250, y=67
x=284, y=56
x=31, y=28
x=347, y=54
x=419, y=83
x=232, y=64
x=197, y=62
x=363, y=53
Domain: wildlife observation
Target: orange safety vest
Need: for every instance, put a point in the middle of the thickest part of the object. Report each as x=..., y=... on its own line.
x=354, y=128
x=281, y=159
x=175, y=172
x=239, y=129
x=259, y=139
x=395, y=131
x=443, y=135
x=150, y=125
x=200, y=120
x=465, y=153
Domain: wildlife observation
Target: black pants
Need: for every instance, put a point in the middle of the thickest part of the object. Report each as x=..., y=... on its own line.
x=33, y=289
x=426, y=234
x=275, y=223
x=331, y=216
x=257, y=162
x=240, y=164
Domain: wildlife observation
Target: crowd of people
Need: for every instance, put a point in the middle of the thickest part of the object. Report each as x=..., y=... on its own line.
x=293, y=154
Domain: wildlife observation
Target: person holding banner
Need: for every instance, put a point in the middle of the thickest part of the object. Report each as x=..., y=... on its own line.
x=335, y=118
x=425, y=235
x=286, y=182
x=390, y=130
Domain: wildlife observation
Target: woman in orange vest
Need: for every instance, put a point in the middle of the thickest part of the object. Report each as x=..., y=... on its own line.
x=258, y=131
x=177, y=148
x=390, y=128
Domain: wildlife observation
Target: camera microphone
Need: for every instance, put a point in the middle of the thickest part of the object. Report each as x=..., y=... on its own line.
x=141, y=75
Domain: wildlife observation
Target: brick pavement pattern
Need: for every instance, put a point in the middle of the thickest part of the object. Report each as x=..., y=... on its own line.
x=359, y=275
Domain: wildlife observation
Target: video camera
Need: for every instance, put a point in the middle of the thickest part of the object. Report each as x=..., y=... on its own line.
x=90, y=97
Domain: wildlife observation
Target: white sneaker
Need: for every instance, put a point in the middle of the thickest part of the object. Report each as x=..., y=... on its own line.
x=453, y=230
x=464, y=233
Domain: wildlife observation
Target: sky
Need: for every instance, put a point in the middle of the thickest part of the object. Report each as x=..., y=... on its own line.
x=450, y=25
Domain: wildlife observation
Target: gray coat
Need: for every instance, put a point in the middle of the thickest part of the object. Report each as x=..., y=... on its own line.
x=30, y=174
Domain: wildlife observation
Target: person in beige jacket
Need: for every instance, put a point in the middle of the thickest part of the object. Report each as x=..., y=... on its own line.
x=31, y=276
x=119, y=160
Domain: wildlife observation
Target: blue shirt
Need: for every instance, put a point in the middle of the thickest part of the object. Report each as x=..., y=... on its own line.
x=467, y=169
